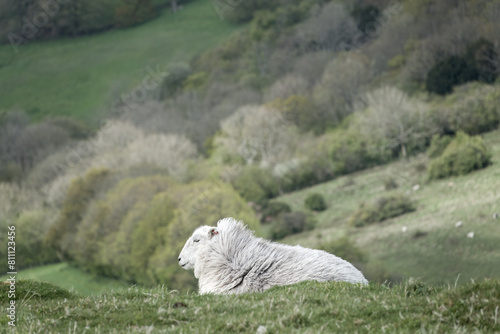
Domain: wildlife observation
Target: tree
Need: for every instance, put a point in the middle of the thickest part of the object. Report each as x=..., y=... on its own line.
x=450, y=72
x=343, y=81
x=394, y=117
x=257, y=135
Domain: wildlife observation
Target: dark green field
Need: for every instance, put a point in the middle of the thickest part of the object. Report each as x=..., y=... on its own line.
x=75, y=77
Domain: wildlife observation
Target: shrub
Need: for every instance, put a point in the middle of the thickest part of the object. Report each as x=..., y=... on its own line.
x=257, y=135
x=463, y=155
x=315, y=202
x=474, y=109
x=396, y=120
x=384, y=207
x=262, y=25
x=450, y=72
x=285, y=87
x=314, y=165
x=130, y=13
x=482, y=53
x=75, y=129
x=438, y=145
x=196, y=81
x=291, y=223
x=177, y=74
x=311, y=170
x=300, y=111
x=343, y=81
x=31, y=227
x=365, y=15
x=61, y=234
x=351, y=152
x=10, y=172
x=140, y=234
x=256, y=185
x=37, y=141
x=107, y=218
x=245, y=10
x=274, y=209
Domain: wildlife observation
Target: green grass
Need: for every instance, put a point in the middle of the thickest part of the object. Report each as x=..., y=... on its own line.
x=432, y=247
x=75, y=77
x=68, y=277
x=308, y=307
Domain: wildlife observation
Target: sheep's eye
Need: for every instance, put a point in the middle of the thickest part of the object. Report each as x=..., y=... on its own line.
x=196, y=240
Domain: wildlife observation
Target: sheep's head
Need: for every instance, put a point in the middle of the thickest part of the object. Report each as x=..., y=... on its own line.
x=201, y=236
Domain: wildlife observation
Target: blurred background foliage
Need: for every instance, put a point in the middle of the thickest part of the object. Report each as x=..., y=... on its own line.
x=290, y=94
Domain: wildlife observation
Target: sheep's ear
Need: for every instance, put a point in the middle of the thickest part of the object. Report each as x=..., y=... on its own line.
x=213, y=231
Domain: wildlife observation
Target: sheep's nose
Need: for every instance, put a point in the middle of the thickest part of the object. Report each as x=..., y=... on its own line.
x=179, y=259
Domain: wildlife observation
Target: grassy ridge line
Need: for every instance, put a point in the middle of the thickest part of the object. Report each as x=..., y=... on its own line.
x=432, y=247
x=74, y=77
x=308, y=307
x=71, y=278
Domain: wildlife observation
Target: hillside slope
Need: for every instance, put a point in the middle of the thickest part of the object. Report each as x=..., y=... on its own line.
x=74, y=77
x=71, y=278
x=304, y=308
x=432, y=247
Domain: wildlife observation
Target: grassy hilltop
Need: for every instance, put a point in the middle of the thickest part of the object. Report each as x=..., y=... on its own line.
x=303, y=308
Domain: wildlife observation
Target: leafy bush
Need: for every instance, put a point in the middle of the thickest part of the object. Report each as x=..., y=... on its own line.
x=478, y=63
x=274, y=209
x=450, y=72
x=131, y=12
x=141, y=232
x=257, y=135
x=291, y=223
x=301, y=112
x=463, y=155
x=312, y=166
x=364, y=15
x=482, y=53
x=384, y=207
x=261, y=25
x=10, y=172
x=61, y=234
x=351, y=152
x=245, y=10
x=105, y=220
x=315, y=202
x=75, y=129
x=313, y=169
x=438, y=145
x=31, y=227
x=177, y=74
x=396, y=120
x=474, y=109
x=256, y=185
x=196, y=81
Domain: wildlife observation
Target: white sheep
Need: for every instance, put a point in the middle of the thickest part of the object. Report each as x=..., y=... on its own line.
x=230, y=259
